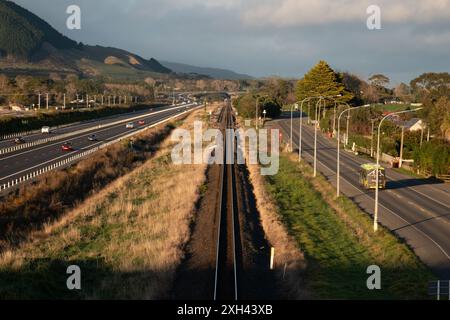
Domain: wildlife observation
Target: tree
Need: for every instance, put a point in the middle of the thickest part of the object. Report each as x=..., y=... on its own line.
x=431, y=85
x=272, y=107
x=321, y=80
x=403, y=92
x=280, y=90
x=439, y=116
x=379, y=81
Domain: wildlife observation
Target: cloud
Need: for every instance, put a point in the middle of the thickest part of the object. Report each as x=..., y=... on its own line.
x=288, y=13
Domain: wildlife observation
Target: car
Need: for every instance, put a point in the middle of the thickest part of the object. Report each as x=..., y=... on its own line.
x=92, y=137
x=67, y=146
x=45, y=129
x=19, y=140
x=141, y=122
x=130, y=125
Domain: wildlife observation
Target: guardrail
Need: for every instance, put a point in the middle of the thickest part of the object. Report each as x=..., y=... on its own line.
x=32, y=175
x=70, y=134
x=439, y=289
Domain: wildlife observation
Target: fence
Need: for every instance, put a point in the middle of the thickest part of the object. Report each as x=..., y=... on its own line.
x=77, y=157
x=71, y=134
x=439, y=289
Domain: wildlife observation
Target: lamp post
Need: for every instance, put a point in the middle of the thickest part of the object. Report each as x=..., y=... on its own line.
x=294, y=106
x=256, y=110
x=372, y=137
x=321, y=99
x=338, y=171
x=377, y=179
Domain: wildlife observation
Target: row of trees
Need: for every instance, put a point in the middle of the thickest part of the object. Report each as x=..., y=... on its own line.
x=23, y=90
x=431, y=89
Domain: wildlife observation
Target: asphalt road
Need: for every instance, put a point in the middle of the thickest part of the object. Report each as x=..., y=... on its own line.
x=418, y=210
x=79, y=126
x=18, y=164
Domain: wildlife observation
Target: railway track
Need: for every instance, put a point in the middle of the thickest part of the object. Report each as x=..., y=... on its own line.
x=226, y=286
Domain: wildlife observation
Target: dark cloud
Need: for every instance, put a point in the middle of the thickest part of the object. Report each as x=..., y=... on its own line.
x=249, y=36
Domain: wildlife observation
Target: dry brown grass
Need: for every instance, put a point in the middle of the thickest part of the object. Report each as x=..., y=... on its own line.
x=128, y=238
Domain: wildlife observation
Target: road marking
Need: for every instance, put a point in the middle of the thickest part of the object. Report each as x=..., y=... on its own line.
x=70, y=154
x=76, y=137
x=409, y=224
x=93, y=130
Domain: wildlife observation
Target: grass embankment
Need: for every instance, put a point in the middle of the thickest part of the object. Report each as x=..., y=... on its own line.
x=9, y=124
x=338, y=242
x=127, y=239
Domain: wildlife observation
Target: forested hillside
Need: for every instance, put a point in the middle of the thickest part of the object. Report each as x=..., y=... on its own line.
x=23, y=33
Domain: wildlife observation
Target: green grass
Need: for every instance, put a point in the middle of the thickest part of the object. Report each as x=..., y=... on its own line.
x=339, y=247
x=395, y=107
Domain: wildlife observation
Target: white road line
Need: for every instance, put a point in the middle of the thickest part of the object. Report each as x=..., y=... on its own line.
x=395, y=214
x=67, y=155
x=393, y=192
x=77, y=137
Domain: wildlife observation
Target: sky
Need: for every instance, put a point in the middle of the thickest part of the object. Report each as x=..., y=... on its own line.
x=268, y=37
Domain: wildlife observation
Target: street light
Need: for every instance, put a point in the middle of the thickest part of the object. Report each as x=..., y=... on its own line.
x=338, y=173
x=375, y=219
x=294, y=106
x=321, y=98
x=257, y=107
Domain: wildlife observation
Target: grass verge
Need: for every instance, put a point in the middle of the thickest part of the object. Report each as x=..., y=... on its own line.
x=127, y=239
x=338, y=242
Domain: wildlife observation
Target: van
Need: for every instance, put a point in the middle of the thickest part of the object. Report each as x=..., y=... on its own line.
x=45, y=130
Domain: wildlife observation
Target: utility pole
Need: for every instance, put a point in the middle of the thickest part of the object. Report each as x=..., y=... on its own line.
x=64, y=105
x=401, y=147
x=47, y=100
x=39, y=101
x=372, y=137
x=87, y=101
x=257, y=105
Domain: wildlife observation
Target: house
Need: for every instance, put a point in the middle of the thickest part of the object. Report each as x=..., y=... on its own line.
x=413, y=125
x=16, y=107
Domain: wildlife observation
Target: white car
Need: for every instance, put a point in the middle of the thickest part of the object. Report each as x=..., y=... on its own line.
x=45, y=129
x=130, y=125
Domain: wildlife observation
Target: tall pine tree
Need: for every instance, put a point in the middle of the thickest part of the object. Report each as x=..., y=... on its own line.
x=321, y=80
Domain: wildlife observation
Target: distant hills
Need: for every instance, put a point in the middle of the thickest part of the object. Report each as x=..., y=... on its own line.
x=29, y=45
x=210, y=72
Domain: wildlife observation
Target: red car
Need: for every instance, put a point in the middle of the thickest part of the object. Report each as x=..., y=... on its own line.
x=141, y=122
x=67, y=146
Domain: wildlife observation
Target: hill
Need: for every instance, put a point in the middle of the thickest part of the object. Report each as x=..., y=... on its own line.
x=22, y=33
x=28, y=44
x=215, y=73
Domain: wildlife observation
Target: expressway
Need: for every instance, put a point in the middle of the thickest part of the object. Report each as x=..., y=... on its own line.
x=417, y=210
x=22, y=162
x=78, y=126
